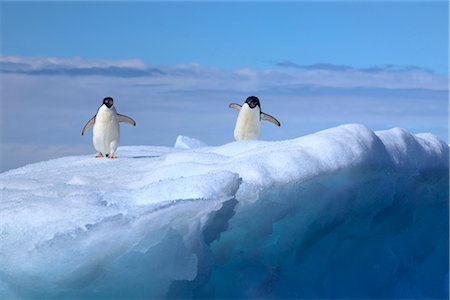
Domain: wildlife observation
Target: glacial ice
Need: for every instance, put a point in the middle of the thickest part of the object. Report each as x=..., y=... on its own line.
x=345, y=212
x=186, y=142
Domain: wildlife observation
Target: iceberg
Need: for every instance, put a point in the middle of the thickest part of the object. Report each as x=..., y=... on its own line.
x=342, y=213
x=185, y=142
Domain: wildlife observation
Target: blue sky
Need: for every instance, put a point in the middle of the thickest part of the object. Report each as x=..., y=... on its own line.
x=175, y=66
x=230, y=35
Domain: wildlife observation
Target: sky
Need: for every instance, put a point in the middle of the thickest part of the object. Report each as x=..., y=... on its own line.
x=230, y=35
x=175, y=66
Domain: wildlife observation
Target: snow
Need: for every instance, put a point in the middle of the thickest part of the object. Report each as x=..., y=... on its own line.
x=343, y=212
x=185, y=142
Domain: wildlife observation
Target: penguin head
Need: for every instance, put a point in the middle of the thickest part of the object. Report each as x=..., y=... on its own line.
x=108, y=101
x=253, y=101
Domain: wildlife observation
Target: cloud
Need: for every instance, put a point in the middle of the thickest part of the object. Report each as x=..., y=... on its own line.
x=76, y=67
x=107, y=71
x=342, y=68
x=318, y=66
x=75, y=62
x=384, y=76
x=46, y=101
x=195, y=76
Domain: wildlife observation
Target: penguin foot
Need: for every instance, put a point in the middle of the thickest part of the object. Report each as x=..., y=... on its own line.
x=112, y=155
x=99, y=155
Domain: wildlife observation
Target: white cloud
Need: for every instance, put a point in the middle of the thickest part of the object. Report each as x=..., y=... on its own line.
x=42, y=62
x=195, y=76
x=49, y=107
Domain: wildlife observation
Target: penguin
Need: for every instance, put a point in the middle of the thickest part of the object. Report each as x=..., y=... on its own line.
x=248, y=123
x=106, y=132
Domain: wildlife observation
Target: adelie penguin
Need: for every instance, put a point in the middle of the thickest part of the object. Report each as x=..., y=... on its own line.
x=248, y=123
x=106, y=132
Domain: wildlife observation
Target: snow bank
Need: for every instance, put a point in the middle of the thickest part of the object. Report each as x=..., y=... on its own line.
x=343, y=212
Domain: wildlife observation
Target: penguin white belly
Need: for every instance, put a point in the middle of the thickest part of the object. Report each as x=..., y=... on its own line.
x=248, y=123
x=106, y=131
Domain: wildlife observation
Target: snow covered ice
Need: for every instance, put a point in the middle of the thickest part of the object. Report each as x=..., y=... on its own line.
x=345, y=212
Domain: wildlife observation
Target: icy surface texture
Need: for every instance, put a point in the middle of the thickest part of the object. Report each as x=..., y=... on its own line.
x=345, y=212
x=185, y=142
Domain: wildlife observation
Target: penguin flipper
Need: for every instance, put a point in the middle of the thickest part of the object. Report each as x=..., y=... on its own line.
x=88, y=124
x=235, y=106
x=269, y=118
x=126, y=119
